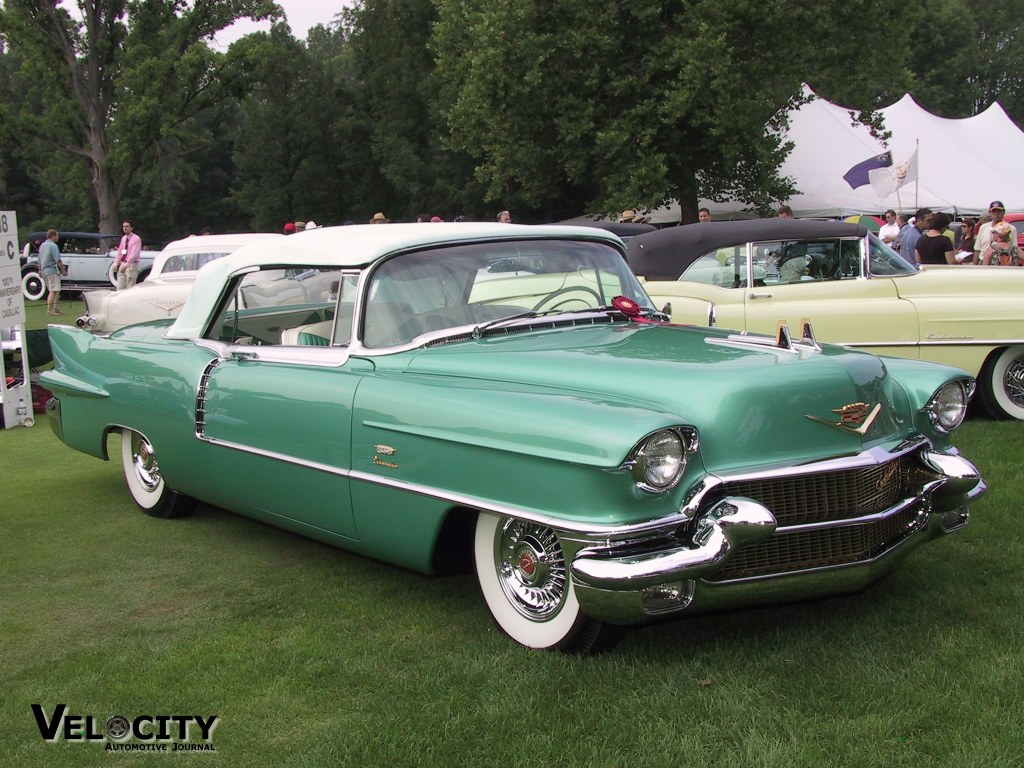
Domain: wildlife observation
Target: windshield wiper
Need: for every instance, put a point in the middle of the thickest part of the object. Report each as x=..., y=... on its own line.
x=479, y=330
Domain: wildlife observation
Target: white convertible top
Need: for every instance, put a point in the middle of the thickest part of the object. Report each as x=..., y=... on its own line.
x=351, y=246
x=206, y=244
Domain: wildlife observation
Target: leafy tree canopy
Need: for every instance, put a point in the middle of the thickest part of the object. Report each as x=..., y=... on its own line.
x=117, y=81
x=641, y=103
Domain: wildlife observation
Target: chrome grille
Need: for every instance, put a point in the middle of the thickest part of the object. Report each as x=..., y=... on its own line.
x=838, y=495
x=800, y=550
x=839, y=498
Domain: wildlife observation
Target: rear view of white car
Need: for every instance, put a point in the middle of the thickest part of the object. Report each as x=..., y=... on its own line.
x=169, y=284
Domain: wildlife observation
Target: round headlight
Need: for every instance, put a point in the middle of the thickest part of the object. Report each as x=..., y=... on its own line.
x=948, y=406
x=660, y=460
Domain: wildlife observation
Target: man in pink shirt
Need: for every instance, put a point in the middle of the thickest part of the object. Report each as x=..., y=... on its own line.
x=126, y=265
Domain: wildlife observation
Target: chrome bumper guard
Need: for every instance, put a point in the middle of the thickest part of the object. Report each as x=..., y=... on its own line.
x=53, y=413
x=727, y=526
x=633, y=584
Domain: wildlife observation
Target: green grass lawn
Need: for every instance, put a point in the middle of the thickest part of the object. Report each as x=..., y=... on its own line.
x=312, y=656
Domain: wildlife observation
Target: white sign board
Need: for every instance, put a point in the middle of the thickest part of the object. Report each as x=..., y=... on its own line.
x=17, y=398
x=12, y=303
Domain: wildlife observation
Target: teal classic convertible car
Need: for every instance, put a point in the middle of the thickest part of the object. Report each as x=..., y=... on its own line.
x=505, y=399
x=856, y=291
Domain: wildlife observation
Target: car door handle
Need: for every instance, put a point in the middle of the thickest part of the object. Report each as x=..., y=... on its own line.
x=760, y=296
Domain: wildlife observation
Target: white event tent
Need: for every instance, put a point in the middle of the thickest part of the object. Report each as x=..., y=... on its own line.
x=963, y=165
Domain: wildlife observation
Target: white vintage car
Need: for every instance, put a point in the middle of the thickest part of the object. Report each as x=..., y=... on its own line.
x=169, y=284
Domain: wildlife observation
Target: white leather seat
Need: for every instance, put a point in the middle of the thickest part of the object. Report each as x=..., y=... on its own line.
x=310, y=335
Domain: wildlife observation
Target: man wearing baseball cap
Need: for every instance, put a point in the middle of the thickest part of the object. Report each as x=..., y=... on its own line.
x=983, y=238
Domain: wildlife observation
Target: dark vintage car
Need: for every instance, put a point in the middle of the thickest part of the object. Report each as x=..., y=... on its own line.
x=856, y=291
x=88, y=256
x=507, y=400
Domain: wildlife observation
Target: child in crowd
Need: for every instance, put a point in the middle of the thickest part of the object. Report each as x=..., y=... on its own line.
x=1001, y=250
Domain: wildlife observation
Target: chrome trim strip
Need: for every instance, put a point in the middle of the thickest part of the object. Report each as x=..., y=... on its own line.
x=324, y=357
x=935, y=343
x=869, y=458
x=875, y=517
x=912, y=535
x=329, y=469
x=586, y=530
x=595, y=531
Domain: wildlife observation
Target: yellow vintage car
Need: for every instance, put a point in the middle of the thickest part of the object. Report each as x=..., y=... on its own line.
x=855, y=290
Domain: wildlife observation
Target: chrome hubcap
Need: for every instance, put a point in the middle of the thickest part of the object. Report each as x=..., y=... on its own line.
x=144, y=459
x=531, y=568
x=1013, y=381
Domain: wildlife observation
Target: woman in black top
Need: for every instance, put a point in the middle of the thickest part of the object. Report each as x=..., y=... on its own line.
x=967, y=234
x=933, y=247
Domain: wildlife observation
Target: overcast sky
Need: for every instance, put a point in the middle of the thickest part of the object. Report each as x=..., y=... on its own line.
x=301, y=15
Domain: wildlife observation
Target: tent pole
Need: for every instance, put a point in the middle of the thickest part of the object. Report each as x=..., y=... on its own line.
x=917, y=176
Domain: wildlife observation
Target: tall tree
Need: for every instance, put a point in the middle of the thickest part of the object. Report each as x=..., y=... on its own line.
x=403, y=162
x=117, y=78
x=639, y=103
x=289, y=145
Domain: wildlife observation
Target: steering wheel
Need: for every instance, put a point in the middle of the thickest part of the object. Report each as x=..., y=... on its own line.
x=566, y=290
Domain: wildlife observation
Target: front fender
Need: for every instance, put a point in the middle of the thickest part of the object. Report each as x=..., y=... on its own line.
x=507, y=446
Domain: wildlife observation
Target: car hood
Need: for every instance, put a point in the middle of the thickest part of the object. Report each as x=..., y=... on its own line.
x=753, y=400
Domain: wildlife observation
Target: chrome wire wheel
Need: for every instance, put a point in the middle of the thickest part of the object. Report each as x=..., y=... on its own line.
x=531, y=568
x=1013, y=382
x=524, y=579
x=1001, y=383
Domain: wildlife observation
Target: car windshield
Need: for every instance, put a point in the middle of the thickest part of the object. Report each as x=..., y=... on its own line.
x=480, y=283
x=886, y=262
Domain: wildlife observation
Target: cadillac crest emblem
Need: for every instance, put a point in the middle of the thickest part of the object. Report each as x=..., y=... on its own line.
x=855, y=417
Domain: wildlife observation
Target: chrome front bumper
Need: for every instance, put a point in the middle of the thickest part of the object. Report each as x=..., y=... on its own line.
x=696, y=569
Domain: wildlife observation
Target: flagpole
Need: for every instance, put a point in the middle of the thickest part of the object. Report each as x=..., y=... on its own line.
x=917, y=176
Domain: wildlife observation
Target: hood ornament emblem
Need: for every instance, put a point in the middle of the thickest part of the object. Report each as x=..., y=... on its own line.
x=855, y=418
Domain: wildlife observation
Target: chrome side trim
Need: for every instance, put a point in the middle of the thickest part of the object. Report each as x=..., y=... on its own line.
x=329, y=469
x=934, y=343
x=570, y=530
x=201, y=387
x=325, y=357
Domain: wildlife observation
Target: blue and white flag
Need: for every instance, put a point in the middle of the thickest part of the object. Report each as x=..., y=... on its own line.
x=887, y=181
x=858, y=175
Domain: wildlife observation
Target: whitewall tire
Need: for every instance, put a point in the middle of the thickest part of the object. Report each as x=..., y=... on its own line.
x=33, y=287
x=526, y=584
x=144, y=481
x=1001, y=384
